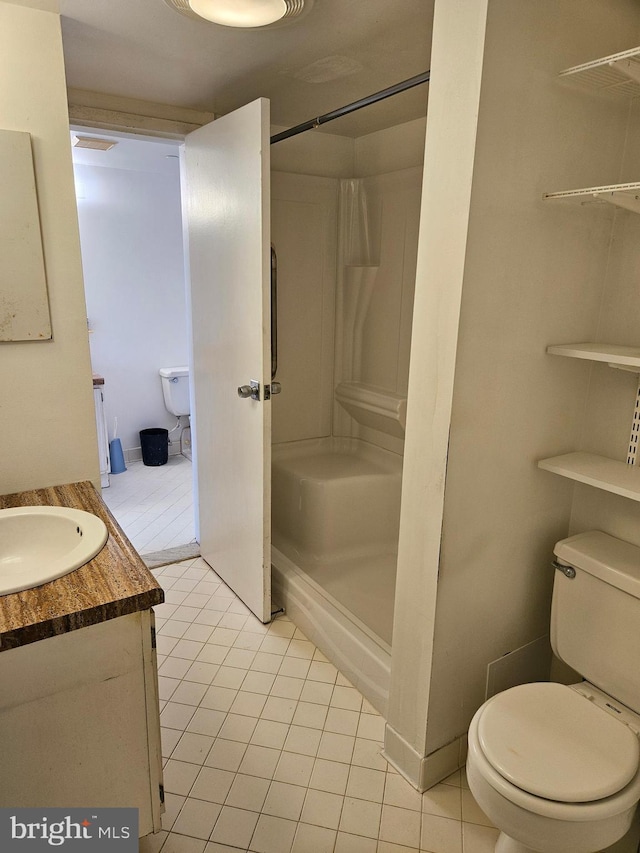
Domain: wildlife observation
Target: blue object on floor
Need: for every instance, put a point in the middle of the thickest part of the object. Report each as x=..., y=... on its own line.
x=117, y=457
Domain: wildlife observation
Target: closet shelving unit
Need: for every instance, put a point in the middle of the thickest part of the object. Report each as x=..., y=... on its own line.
x=624, y=358
x=620, y=195
x=619, y=75
x=607, y=474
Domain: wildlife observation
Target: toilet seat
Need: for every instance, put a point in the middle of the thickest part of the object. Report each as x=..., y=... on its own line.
x=549, y=741
x=479, y=767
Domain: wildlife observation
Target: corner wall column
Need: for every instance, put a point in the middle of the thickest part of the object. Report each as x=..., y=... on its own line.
x=458, y=31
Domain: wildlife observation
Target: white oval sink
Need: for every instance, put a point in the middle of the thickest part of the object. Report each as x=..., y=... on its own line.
x=41, y=543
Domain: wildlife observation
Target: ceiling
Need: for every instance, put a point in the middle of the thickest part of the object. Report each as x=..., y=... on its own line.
x=338, y=52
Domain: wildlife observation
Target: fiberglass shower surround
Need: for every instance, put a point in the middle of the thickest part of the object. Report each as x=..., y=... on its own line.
x=337, y=474
x=336, y=496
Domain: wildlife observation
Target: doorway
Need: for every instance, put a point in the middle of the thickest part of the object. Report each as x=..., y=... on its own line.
x=129, y=213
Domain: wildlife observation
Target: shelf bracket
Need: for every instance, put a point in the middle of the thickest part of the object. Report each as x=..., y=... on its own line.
x=619, y=199
x=628, y=68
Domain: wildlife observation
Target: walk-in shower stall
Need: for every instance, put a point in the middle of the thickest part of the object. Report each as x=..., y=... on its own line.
x=346, y=259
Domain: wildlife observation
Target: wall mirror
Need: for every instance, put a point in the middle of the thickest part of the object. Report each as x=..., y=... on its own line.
x=24, y=305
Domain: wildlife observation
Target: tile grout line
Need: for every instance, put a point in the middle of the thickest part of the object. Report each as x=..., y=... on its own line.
x=281, y=750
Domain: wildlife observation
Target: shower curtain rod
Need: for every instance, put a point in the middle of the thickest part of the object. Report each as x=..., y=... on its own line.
x=350, y=108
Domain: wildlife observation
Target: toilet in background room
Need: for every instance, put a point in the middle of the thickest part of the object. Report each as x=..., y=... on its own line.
x=556, y=767
x=175, y=390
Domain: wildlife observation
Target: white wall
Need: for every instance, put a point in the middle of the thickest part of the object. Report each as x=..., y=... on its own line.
x=46, y=403
x=304, y=208
x=391, y=149
x=323, y=154
x=533, y=275
x=305, y=232
x=131, y=237
x=386, y=335
x=389, y=165
x=612, y=393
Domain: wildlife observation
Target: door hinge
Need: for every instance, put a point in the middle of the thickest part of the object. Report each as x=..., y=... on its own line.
x=161, y=786
x=153, y=637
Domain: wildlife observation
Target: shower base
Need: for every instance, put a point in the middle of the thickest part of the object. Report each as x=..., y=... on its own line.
x=359, y=653
x=335, y=519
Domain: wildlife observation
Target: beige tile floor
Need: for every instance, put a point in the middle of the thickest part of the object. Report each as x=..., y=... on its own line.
x=154, y=504
x=268, y=748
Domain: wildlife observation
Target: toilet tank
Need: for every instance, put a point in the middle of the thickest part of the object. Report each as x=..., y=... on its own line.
x=595, y=616
x=175, y=389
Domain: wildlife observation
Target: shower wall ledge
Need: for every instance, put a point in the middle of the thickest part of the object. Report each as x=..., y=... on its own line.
x=374, y=407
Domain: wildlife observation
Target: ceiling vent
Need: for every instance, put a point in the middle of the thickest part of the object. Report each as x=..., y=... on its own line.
x=94, y=142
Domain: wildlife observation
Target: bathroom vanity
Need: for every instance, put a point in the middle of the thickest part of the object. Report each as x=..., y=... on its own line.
x=79, y=716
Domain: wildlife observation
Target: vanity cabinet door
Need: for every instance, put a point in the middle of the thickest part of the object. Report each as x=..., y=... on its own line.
x=79, y=720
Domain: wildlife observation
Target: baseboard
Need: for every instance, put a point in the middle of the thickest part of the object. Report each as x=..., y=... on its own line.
x=134, y=454
x=423, y=771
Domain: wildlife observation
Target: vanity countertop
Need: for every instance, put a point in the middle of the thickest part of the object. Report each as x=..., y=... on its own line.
x=114, y=583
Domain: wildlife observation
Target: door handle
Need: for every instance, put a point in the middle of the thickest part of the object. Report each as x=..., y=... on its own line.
x=252, y=390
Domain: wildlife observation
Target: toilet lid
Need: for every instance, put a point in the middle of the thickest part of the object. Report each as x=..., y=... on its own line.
x=552, y=742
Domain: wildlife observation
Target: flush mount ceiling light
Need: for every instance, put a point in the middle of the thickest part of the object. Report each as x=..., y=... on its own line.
x=242, y=13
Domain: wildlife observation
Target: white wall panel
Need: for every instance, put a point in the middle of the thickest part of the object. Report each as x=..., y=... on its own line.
x=303, y=232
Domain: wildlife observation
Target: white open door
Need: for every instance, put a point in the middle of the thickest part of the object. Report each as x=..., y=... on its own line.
x=226, y=190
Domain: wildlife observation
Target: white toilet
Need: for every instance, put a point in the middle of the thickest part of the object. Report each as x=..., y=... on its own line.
x=555, y=767
x=175, y=390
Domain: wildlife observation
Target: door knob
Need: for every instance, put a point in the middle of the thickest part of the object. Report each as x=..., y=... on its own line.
x=276, y=388
x=252, y=390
